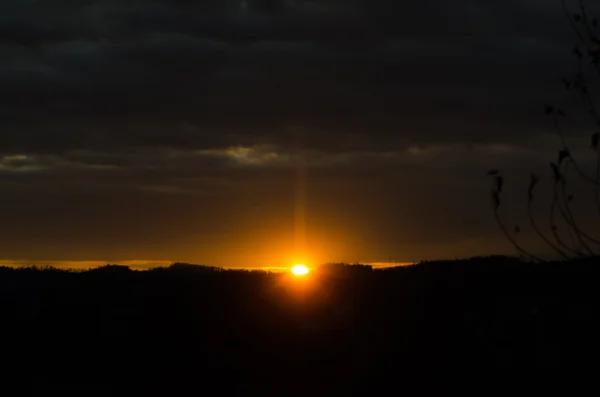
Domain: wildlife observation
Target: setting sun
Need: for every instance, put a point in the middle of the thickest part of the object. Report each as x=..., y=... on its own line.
x=299, y=270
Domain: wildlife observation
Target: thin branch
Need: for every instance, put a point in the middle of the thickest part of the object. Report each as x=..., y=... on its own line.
x=586, y=95
x=574, y=25
x=585, y=19
x=512, y=240
x=542, y=236
x=567, y=214
x=567, y=207
x=575, y=164
x=554, y=228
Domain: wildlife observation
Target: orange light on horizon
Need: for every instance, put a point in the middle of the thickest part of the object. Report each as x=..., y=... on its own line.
x=300, y=270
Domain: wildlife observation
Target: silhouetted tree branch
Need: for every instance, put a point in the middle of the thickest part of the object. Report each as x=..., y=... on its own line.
x=581, y=243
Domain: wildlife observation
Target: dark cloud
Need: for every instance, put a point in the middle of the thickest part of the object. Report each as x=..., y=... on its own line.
x=204, y=76
x=189, y=109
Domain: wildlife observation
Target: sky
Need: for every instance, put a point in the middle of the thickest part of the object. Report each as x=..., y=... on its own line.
x=263, y=132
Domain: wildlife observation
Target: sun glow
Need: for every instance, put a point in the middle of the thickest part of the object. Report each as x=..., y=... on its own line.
x=299, y=270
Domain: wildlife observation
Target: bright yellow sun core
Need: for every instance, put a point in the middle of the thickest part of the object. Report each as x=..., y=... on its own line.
x=299, y=270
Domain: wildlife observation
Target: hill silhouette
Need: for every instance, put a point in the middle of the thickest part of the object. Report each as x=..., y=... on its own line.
x=344, y=329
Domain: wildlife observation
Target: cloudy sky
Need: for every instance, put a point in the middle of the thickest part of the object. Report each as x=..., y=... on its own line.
x=202, y=130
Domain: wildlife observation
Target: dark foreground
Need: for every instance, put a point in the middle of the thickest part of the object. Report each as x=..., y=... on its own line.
x=344, y=330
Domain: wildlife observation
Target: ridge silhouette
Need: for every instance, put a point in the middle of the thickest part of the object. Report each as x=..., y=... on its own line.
x=347, y=329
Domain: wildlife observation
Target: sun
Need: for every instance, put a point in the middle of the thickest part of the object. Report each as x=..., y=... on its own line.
x=299, y=270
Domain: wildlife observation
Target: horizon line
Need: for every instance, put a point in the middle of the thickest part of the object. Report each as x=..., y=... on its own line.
x=140, y=264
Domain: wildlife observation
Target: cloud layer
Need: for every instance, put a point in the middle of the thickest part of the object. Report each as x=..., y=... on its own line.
x=195, y=113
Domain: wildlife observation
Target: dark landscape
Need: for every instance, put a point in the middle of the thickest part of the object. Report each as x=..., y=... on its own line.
x=343, y=329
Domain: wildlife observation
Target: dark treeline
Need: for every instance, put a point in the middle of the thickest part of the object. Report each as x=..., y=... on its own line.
x=347, y=328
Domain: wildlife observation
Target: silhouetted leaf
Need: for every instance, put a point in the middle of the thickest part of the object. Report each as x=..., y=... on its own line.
x=548, y=109
x=562, y=155
x=493, y=172
x=495, y=200
x=556, y=171
x=595, y=138
x=532, y=184
x=577, y=17
x=499, y=183
x=566, y=83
